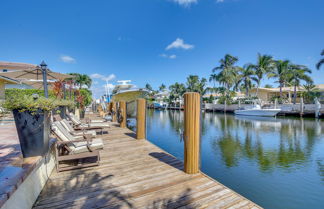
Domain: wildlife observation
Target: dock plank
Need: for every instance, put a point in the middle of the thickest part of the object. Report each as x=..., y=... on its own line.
x=135, y=174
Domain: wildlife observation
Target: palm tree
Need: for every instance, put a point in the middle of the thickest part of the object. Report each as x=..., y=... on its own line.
x=228, y=72
x=148, y=87
x=213, y=78
x=246, y=77
x=162, y=87
x=280, y=71
x=321, y=62
x=194, y=84
x=81, y=80
x=176, y=90
x=264, y=65
x=297, y=73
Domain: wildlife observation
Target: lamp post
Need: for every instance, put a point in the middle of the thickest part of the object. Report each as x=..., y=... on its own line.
x=43, y=66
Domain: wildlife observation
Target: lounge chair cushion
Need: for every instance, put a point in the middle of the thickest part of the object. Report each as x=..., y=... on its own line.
x=82, y=146
x=68, y=127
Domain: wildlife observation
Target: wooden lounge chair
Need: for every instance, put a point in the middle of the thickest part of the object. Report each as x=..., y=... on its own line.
x=77, y=123
x=69, y=128
x=75, y=148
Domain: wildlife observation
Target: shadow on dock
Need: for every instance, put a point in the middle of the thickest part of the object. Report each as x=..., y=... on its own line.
x=167, y=159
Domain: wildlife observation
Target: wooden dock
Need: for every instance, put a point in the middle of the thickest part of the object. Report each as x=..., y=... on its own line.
x=135, y=174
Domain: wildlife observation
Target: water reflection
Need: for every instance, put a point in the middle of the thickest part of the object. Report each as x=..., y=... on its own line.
x=271, y=142
x=275, y=162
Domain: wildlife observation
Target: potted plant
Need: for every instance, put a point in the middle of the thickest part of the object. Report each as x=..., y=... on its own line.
x=32, y=118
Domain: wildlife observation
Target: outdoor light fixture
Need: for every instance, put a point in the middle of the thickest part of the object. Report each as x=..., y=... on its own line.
x=43, y=66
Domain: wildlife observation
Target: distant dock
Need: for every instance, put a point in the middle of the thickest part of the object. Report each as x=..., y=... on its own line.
x=287, y=109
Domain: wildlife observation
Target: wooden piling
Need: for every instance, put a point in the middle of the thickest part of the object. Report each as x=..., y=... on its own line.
x=141, y=119
x=122, y=106
x=114, y=111
x=191, y=132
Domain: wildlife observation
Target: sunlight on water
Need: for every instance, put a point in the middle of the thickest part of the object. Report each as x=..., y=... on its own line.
x=275, y=162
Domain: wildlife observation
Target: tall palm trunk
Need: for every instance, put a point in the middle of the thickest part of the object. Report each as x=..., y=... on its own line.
x=295, y=93
x=280, y=86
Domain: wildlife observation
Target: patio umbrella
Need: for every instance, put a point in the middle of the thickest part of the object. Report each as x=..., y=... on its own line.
x=35, y=77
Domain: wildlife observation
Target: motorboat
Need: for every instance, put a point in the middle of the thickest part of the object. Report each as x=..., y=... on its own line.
x=256, y=110
x=125, y=91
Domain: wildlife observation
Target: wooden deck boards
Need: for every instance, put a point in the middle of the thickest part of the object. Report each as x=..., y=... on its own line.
x=135, y=174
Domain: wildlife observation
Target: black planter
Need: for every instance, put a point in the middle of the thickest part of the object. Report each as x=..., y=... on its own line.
x=62, y=110
x=33, y=132
x=82, y=114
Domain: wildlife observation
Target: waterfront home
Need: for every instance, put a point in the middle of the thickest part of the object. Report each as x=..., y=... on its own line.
x=161, y=98
x=267, y=94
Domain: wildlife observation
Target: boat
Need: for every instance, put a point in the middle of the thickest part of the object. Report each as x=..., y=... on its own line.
x=125, y=91
x=256, y=110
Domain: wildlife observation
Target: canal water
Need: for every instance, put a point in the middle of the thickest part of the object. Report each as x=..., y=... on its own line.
x=275, y=162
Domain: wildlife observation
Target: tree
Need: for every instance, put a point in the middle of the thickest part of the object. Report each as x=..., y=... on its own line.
x=213, y=78
x=280, y=71
x=310, y=92
x=297, y=73
x=321, y=62
x=81, y=80
x=227, y=71
x=264, y=65
x=269, y=86
x=177, y=90
x=194, y=84
x=246, y=77
x=148, y=87
x=162, y=87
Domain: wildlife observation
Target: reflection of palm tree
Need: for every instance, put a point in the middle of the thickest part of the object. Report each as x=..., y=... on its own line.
x=230, y=149
x=289, y=155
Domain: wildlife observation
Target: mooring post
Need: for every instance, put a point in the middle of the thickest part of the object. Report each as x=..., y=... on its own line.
x=191, y=132
x=141, y=119
x=113, y=111
x=122, y=106
x=301, y=106
x=317, y=108
x=276, y=103
x=225, y=106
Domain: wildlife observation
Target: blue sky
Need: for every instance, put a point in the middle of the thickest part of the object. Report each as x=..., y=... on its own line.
x=159, y=41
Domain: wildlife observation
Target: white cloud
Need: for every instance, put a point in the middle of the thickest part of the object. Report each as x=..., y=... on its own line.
x=110, y=86
x=102, y=77
x=67, y=59
x=185, y=3
x=172, y=56
x=179, y=44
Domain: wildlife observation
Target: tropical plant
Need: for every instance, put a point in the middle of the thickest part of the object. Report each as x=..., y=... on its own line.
x=148, y=87
x=177, y=90
x=269, y=86
x=297, y=73
x=81, y=80
x=245, y=77
x=194, y=84
x=310, y=93
x=162, y=87
x=263, y=66
x=33, y=103
x=227, y=74
x=321, y=61
x=280, y=72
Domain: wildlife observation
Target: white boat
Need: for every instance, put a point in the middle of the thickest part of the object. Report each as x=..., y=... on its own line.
x=125, y=91
x=256, y=110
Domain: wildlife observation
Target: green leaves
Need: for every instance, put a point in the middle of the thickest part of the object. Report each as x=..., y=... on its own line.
x=32, y=103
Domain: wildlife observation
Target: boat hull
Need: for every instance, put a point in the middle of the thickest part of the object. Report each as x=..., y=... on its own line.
x=256, y=112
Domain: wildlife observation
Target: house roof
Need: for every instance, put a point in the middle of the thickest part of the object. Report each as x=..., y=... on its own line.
x=288, y=89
